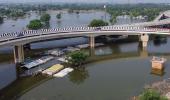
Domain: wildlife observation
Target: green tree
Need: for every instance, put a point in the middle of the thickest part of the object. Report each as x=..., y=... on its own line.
x=35, y=24
x=97, y=23
x=45, y=18
x=1, y=19
x=58, y=16
x=76, y=58
x=150, y=94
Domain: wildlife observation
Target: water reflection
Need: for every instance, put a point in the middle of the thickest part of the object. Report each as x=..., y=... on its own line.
x=157, y=72
x=159, y=41
x=79, y=75
x=8, y=74
x=143, y=52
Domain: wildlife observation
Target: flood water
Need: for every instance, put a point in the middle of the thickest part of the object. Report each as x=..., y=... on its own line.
x=119, y=70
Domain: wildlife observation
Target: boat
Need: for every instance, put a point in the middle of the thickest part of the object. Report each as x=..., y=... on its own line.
x=52, y=70
x=63, y=72
x=158, y=62
x=63, y=59
x=83, y=46
x=55, y=52
x=37, y=62
x=71, y=49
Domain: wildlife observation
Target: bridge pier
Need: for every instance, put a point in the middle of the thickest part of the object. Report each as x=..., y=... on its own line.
x=18, y=53
x=92, y=41
x=144, y=38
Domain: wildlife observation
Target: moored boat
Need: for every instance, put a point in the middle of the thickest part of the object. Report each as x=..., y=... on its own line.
x=63, y=72
x=53, y=69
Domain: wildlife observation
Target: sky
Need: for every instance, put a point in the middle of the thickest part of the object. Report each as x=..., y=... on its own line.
x=87, y=1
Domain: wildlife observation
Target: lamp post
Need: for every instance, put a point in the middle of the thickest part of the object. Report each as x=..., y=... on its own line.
x=105, y=12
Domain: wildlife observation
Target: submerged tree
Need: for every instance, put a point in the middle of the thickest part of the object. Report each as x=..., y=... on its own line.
x=45, y=18
x=76, y=58
x=58, y=16
x=97, y=23
x=35, y=24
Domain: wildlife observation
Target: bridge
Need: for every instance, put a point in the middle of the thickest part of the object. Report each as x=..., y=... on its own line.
x=19, y=39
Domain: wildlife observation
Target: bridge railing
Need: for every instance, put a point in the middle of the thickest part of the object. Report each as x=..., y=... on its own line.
x=30, y=33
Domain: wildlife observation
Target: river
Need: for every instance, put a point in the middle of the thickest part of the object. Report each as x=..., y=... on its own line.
x=120, y=71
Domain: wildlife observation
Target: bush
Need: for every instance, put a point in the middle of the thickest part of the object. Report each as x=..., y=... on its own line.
x=150, y=94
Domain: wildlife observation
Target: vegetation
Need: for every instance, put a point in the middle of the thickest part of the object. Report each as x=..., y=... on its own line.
x=45, y=18
x=97, y=23
x=148, y=10
x=35, y=24
x=76, y=58
x=150, y=94
x=58, y=16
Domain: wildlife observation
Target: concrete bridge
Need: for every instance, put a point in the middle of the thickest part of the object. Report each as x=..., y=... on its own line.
x=19, y=39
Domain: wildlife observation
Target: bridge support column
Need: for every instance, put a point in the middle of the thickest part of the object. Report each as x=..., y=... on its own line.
x=144, y=39
x=92, y=41
x=19, y=54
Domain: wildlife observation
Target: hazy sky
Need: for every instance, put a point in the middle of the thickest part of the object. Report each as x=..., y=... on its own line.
x=90, y=1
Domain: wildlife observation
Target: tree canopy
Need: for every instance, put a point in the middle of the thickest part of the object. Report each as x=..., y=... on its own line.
x=58, y=16
x=76, y=58
x=35, y=24
x=45, y=18
x=97, y=23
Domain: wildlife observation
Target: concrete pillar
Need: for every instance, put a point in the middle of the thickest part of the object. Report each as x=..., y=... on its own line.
x=144, y=39
x=18, y=54
x=92, y=41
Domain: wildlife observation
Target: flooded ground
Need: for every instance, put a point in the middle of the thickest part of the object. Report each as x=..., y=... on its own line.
x=119, y=70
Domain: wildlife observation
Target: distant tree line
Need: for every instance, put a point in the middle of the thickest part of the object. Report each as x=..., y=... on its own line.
x=148, y=10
